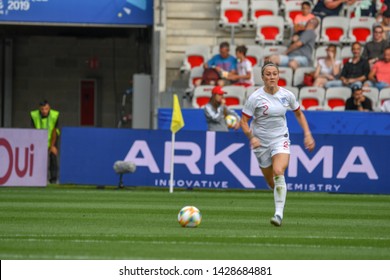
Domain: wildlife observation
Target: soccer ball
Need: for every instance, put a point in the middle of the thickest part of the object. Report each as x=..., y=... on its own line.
x=231, y=121
x=189, y=216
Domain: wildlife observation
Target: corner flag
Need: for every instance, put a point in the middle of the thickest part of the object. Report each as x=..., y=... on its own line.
x=176, y=124
x=177, y=118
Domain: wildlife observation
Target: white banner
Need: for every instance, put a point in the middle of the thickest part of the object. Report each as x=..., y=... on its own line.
x=192, y=269
x=23, y=157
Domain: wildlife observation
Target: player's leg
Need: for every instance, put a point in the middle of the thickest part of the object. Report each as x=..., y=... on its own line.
x=279, y=164
x=268, y=174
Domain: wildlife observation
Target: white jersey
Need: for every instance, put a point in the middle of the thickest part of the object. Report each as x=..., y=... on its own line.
x=269, y=114
x=243, y=68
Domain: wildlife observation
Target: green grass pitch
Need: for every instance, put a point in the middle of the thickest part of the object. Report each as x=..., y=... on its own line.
x=67, y=222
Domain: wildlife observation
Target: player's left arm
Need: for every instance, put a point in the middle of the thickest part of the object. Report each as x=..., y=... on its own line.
x=308, y=138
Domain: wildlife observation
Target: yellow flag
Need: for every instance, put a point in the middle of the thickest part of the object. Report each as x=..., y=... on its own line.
x=177, y=118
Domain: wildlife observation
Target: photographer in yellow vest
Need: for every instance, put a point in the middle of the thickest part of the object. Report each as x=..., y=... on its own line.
x=47, y=118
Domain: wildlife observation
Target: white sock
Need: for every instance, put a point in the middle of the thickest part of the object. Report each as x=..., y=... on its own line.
x=280, y=192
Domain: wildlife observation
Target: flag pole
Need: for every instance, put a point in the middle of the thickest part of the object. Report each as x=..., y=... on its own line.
x=172, y=162
x=176, y=124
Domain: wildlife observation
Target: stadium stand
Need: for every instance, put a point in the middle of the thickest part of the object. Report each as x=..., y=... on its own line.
x=373, y=94
x=320, y=52
x=285, y=76
x=346, y=54
x=260, y=8
x=336, y=97
x=311, y=97
x=235, y=95
x=255, y=54
x=291, y=10
x=195, y=55
x=299, y=73
x=257, y=76
x=360, y=29
x=384, y=95
x=250, y=90
x=269, y=30
x=215, y=50
x=233, y=13
x=334, y=29
x=195, y=76
x=201, y=96
x=294, y=90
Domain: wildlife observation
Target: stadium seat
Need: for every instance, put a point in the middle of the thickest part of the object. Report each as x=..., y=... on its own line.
x=334, y=29
x=269, y=30
x=311, y=97
x=235, y=95
x=271, y=50
x=254, y=54
x=294, y=90
x=336, y=96
x=291, y=10
x=233, y=13
x=260, y=8
x=360, y=29
x=195, y=75
x=373, y=94
x=201, y=96
x=299, y=73
x=195, y=55
x=257, y=76
x=384, y=95
x=250, y=90
x=346, y=54
x=285, y=76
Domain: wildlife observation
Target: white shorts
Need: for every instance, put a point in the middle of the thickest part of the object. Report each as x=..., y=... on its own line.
x=264, y=154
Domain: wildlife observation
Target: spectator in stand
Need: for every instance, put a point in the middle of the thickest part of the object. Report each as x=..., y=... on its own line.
x=300, y=20
x=365, y=8
x=386, y=106
x=385, y=23
x=300, y=52
x=223, y=62
x=379, y=75
x=325, y=8
x=244, y=76
x=358, y=102
x=354, y=72
x=373, y=50
x=328, y=68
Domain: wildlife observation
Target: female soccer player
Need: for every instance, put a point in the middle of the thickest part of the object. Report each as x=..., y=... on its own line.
x=268, y=133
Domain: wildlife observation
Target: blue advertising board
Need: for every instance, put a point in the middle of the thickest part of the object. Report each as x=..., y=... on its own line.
x=223, y=160
x=102, y=12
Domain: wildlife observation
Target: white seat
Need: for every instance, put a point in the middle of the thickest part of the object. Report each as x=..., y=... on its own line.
x=235, y=95
x=360, y=29
x=254, y=54
x=260, y=8
x=384, y=95
x=202, y=95
x=195, y=55
x=269, y=30
x=373, y=94
x=196, y=74
x=336, y=96
x=334, y=29
x=250, y=90
x=233, y=13
x=312, y=97
x=291, y=9
x=285, y=76
x=299, y=73
x=294, y=90
x=346, y=54
x=272, y=50
x=257, y=76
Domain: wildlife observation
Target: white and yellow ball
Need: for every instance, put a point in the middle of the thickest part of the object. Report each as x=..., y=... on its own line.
x=189, y=216
x=231, y=121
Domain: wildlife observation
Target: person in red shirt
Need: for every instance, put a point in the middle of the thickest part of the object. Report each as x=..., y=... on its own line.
x=379, y=75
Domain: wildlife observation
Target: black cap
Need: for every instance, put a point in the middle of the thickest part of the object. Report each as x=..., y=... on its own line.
x=356, y=87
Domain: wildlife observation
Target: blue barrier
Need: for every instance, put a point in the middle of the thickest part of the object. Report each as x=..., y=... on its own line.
x=223, y=160
x=320, y=122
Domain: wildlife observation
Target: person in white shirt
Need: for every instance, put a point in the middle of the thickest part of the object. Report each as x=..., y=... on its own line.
x=386, y=106
x=268, y=133
x=244, y=76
